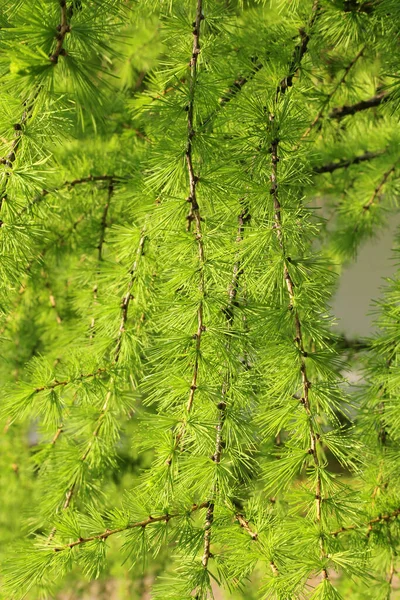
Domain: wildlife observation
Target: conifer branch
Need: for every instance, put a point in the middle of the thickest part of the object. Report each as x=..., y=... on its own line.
x=232, y=293
x=110, y=179
x=62, y=29
x=117, y=352
x=378, y=190
x=143, y=524
x=233, y=90
x=9, y=160
x=369, y=524
x=194, y=213
x=103, y=224
x=343, y=164
x=343, y=111
x=329, y=97
x=299, y=52
x=55, y=384
x=299, y=341
x=245, y=525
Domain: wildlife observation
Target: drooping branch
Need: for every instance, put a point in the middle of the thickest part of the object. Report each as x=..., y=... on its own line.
x=299, y=339
x=165, y=518
x=116, y=356
x=103, y=223
x=110, y=179
x=343, y=111
x=62, y=29
x=386, y=518
x=298, y=54
x=329, y=97
x=222, y=405
x=378, y=190
x=344, y=164
x=194, y=216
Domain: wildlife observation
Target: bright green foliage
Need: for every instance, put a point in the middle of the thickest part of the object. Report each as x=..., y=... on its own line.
x=180, y=186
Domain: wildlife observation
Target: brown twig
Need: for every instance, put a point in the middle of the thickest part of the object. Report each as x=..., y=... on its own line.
x=117, y=352
x=343, y=164
x=62, y=29
x=103, y=223
x=298, y=54
x=232, y=293
x=112, y=179
x=143, y=524
x=343, y=111
x=332, y=93
x=245, y=525
x=194, y=214
x=56, y=383
x=369, y=524
x=377, y=191
x=299, y=340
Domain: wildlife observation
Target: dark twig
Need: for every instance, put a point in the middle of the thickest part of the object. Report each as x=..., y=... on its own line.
x=369, y=524
x=194, y=213
x=111, y=179
x=117, y=352
x=329, y=97
x=298, y=55
x=149, y=521
x=62, y=29
x=343, y=111
x=232, y=293
x=103, y=223
x=343, y=164
x=55, y=384
x=378, y=190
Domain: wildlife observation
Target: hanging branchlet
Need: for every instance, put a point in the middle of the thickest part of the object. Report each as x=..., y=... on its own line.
x=142, y=524
x=331, y=94
x=343, y=111
x=222, y=405
x=62, y=29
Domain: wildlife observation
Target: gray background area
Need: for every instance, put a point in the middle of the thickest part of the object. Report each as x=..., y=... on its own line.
x=362, y=282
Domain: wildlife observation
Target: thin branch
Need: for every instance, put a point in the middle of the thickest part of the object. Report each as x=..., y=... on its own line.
x=299, y=340
x=62, y=29
x=117, y=353
x=245, y=525
x=378, y=190
x=194, y=214
x=343, y=164
x=232, y=293
x=55, y=384
x=103, y=223
x=9, y=160
x=332, y=93
x=369, y=524
x=143, y=524
x=298, y=54
x=343, y=111
x=232, y=91
x=112, y=179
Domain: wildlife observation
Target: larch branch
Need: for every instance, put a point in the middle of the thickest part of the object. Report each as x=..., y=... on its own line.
x=343, y=111
x=344, y=164
x=143, y=524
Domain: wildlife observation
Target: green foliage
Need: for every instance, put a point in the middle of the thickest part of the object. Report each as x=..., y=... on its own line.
x=181, y=184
